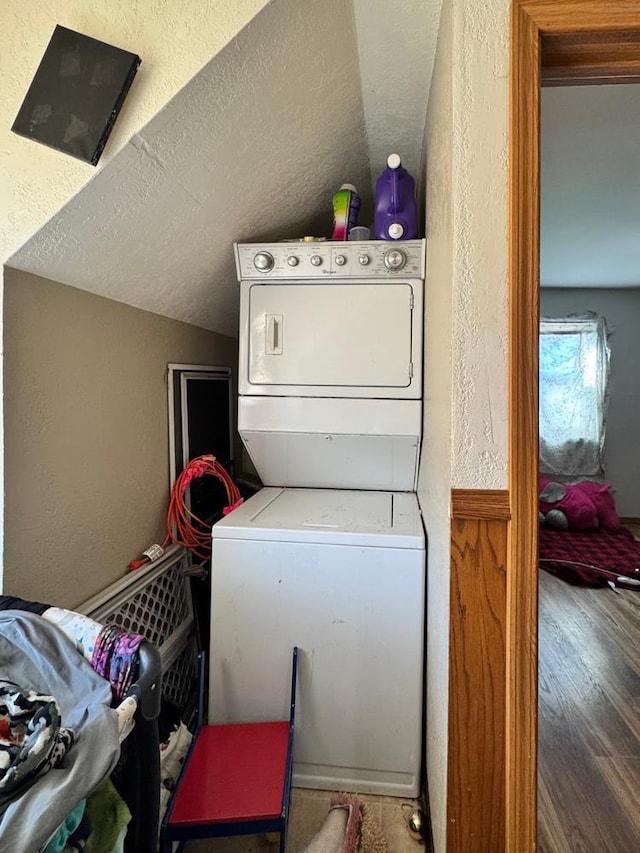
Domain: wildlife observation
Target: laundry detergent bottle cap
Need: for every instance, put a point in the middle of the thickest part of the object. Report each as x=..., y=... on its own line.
x=396, y=215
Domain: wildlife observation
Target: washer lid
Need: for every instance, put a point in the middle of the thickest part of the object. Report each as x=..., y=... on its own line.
x=327, y=516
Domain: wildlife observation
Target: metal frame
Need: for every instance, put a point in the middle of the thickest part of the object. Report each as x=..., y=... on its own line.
x=175, y=372
x=169, y=834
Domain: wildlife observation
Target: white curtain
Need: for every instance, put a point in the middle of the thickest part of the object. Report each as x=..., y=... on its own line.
x=574, y=394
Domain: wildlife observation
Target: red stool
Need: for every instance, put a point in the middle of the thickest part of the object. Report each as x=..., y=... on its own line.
x=235, y=780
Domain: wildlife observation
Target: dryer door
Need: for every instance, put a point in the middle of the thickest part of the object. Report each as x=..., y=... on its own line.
x=334, y=339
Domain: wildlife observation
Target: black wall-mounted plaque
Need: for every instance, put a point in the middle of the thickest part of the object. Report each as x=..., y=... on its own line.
x=76, y=94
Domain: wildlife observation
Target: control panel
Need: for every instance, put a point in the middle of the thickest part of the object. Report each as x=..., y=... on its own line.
x=324, y=259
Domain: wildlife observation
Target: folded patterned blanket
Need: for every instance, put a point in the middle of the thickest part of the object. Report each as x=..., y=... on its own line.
x=32, y=739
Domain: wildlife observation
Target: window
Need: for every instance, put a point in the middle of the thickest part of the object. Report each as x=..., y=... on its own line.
x=574, y=379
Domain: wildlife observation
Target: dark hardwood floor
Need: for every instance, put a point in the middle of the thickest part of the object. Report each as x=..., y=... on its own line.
x=589, y=719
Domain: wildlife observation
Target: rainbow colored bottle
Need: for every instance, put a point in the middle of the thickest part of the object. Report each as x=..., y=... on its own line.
x=346, y=206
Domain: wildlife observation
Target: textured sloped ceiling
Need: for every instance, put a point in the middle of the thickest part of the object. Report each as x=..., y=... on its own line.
x=251, y=148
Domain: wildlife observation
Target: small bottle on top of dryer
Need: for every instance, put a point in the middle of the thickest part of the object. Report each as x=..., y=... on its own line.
x=346, y=207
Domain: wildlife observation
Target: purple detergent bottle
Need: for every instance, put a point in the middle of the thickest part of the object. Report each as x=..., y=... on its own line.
x=396, y=215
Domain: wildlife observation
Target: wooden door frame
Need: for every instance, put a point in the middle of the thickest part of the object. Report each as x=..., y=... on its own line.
x=565, y=41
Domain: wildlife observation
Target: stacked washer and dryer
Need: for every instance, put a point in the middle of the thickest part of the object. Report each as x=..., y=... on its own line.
x=330, y=554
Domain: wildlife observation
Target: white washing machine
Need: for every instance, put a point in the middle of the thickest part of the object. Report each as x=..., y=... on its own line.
x=340, y=574
x=330, y=555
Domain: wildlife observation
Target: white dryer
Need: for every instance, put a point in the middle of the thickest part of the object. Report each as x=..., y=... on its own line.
x=328, y=556
x=330, y=363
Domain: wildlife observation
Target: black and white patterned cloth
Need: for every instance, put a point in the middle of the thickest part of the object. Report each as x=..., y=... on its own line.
x=32, y=737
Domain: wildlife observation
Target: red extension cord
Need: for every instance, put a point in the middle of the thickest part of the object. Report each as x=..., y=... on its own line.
x=183, y=527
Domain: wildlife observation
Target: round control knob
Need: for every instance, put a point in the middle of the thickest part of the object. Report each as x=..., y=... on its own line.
x=263, y=261
x=316, y=260
x=293, y=261
x=363, y=260
x=340, y=260
x=395, y=259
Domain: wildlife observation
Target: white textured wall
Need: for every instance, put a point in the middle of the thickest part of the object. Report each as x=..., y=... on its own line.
x=86, y=434
x=480, y=228
x=466, y=322
x=621, y=307
x=174, y=39
x=434, y=482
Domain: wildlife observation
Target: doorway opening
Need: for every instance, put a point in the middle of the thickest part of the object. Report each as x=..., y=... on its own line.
x=568, y=40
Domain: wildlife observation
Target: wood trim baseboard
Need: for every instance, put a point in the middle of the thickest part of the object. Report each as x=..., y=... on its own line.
x=477, y=675
x=480, y=503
